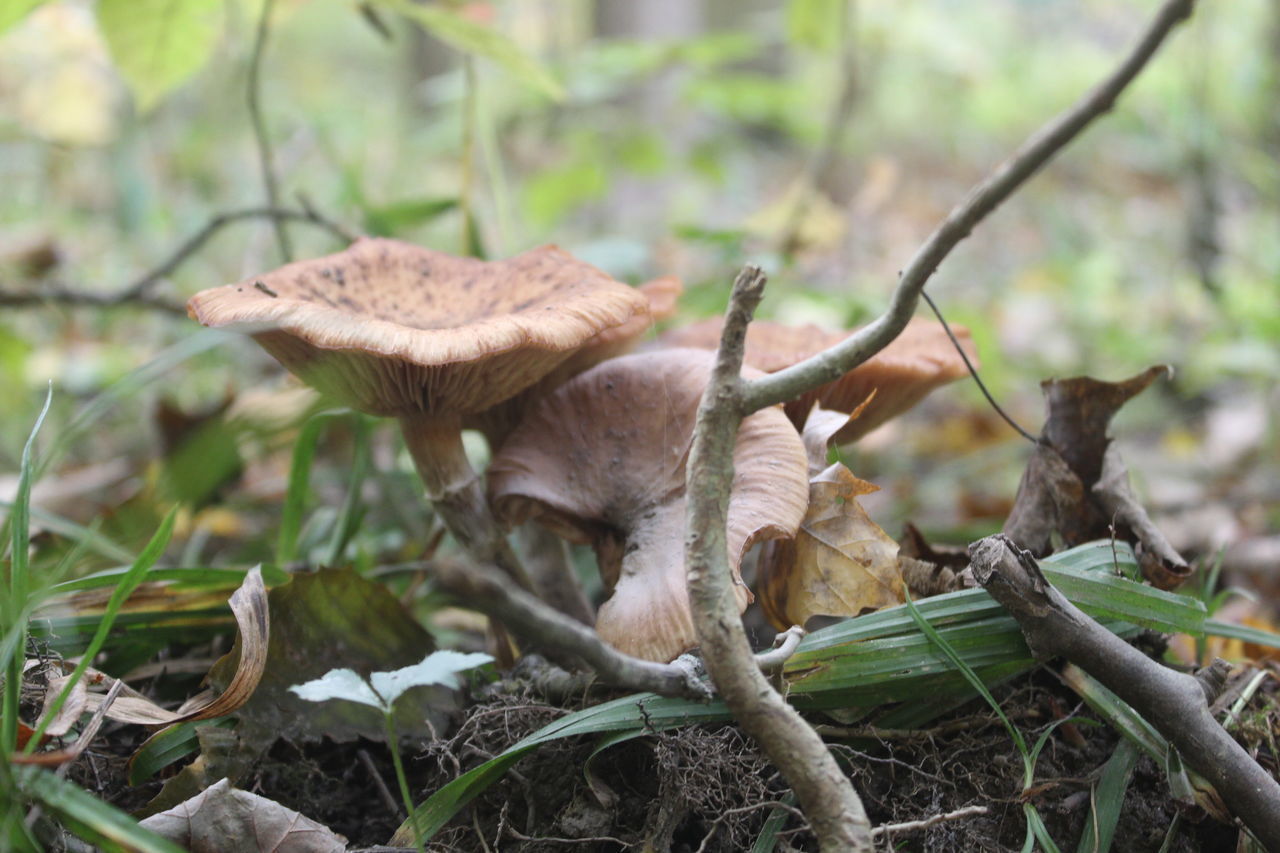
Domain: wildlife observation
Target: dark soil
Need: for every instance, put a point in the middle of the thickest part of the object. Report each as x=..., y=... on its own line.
x=708, y=788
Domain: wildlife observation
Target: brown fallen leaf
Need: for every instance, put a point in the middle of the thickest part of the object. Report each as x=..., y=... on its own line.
x=222, y=818
x=1076, y=486
x=840, y=563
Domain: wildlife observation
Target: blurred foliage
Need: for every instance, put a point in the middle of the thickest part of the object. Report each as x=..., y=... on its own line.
x=1151, y=240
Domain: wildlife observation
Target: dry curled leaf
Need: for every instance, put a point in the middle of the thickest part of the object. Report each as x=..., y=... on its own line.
x=840, y=563
x=249, y=606
x=223, y=818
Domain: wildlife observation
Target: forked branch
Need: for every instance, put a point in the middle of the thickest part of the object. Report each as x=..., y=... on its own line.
x=825, y=794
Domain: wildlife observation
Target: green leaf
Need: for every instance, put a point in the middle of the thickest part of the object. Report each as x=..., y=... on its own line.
x=158, y=44
x=440, y=667
x=1218, y=628
x=340, y=684
x=87, y=816
x=390, y=219
x=469, y=37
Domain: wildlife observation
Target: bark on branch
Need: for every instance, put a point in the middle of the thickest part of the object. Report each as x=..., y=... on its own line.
x=1172, y=702
x=833, y=808
x=828, y=799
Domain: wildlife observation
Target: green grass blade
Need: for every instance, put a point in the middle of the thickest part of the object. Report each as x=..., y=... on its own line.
x=167, y=746
x=1218, y=628
x=348, y=521
x=767, y=840
x=19, y=586
x=1041, y=832
x=87, y=816
x=78, y=533
x=1117, y=713
x=1108, y=799
x=295, y=502
x=127, y=584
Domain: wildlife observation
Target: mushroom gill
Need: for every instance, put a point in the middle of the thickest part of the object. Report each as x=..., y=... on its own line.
x=602, y=461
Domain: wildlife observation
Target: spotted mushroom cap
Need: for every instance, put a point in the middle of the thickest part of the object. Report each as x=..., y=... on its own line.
x=394, y=329
x=601, y=460
x=919, y=360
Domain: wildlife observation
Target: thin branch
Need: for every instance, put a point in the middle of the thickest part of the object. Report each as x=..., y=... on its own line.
x=784, y=646
x=973, y=371
x=491, y=591
x=66, y=296
x=137, y=293
x=1171, y=701
x=914, y=825
x=825, y=794
x=1041, y=147
x=265, y=156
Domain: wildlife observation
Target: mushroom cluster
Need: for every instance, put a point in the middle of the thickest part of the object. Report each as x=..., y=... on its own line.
x=589, y=443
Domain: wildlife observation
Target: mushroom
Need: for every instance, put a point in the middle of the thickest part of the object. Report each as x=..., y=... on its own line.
x=393, y=329
x=919, y=360
x=601, y=460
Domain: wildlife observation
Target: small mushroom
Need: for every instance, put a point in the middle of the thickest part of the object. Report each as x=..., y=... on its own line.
x=919, y=360
x=394, y=329
x=602, y=460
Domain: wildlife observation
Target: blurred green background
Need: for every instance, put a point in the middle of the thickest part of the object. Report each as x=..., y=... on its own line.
x=823, y=139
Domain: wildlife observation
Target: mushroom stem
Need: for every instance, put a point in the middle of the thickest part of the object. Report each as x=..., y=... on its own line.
x=457, y=492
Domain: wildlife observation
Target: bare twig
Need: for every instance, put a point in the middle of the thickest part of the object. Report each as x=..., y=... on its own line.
x=137, y=292
x=65, y=296
x=1171, y=701
x=828, y=799
x=490, y=590
x=784, y=646
x=265, y=157
x=831, y=364
x=973, y=371
x=913, y=825
x=380, y=784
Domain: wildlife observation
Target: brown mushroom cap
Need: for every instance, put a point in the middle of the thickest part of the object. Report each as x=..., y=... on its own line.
x=394, y=329
x=919, y=360
x=601, y=460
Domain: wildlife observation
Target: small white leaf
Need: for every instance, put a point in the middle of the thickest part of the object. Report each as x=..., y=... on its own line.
x=341, y=684
x=439, y=667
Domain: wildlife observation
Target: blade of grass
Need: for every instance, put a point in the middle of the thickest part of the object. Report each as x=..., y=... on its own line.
x=127, y=584
x=295, y=502
x=77, y=533
x=19, y=584
x=1108, y=799
x=348, y=520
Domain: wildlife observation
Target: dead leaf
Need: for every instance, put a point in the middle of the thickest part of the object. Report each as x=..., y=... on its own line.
x=223, y=818
x=70, y=710
x=249, y=606
x=840, y=563
x=1076, y=485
